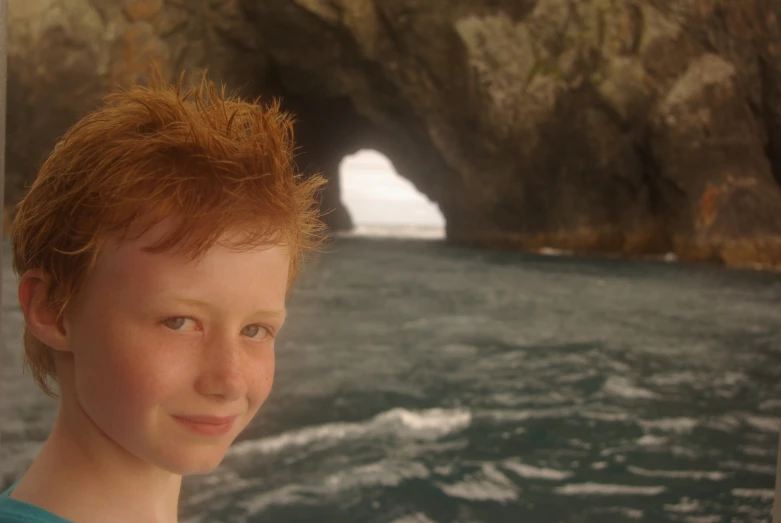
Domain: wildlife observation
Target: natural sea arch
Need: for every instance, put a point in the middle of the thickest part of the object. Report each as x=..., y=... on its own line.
x=380, y=201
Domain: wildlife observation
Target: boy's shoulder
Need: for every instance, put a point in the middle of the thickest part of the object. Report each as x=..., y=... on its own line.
x=13, y=511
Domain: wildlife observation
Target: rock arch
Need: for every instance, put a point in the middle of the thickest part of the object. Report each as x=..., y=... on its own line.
x=629, y=127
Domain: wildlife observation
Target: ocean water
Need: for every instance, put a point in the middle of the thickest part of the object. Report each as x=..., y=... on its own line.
x=419, y=382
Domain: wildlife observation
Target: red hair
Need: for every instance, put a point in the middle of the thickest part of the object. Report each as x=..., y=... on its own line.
x=213, y=164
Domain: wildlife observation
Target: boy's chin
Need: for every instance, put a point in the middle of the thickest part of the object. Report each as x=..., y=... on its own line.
x=194, y=464
x=204, y=469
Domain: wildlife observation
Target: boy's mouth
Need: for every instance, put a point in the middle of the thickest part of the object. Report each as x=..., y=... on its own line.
x=207, y=425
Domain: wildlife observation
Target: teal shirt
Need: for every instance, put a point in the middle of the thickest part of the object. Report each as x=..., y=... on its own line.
x=13, y=511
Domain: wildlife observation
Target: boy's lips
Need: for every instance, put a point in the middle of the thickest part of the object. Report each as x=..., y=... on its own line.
x=208, y=425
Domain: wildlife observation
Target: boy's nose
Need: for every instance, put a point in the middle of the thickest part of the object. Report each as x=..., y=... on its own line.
x=223, y=370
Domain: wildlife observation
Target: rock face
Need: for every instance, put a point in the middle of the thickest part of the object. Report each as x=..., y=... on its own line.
x=627, y=127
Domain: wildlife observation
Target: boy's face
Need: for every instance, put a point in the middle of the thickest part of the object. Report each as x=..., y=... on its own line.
x=171, y=357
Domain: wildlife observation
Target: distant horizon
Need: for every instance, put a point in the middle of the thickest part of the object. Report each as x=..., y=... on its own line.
x=376, y=196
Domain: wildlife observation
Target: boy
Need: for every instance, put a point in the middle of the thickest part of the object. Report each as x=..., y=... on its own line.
x=155, y=251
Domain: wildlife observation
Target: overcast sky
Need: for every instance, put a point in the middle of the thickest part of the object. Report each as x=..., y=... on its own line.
x=375, y=194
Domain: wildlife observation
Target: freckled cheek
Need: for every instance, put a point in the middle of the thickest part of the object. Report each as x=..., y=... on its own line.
x=138, y=372
x=260, y=379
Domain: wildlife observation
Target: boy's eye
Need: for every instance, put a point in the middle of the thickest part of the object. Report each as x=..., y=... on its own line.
x=180, y=323
x=258, y=332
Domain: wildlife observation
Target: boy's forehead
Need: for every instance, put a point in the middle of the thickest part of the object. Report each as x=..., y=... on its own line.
x=128, y=275
x=129, y=264
x=150, y=233
x=130, y=258
x=135, y=248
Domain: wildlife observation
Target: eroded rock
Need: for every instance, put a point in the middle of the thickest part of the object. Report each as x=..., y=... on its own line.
x=631, y=127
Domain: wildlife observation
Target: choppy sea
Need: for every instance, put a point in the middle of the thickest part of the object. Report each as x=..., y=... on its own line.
x=419, y=382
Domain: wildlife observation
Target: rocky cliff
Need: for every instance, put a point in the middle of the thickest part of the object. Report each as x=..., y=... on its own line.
x=627, y=127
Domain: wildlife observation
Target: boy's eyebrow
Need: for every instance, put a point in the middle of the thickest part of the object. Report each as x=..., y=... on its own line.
x=206, y=305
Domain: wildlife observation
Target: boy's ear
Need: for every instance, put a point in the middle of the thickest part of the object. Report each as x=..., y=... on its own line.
x=39, y=316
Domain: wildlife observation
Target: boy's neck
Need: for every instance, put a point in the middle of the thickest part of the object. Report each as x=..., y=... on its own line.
x=92, y=480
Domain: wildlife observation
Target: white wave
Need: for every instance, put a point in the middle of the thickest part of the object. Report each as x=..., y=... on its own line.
x=531, y=472
x=523, y=415
x=436, y=422
x=418, y=517
x=424, y=425
x=604, y=416
x=674, y=378
x=550, y=251
x=677, y=451
x=650, y=441
x=685, y=506
x=579, y=444
x=384, y=473
x=727, y=423
x=624, y=512
x=679, y=474
x=459, y=349
x=764, y=423
x=11, y=425
x=760, y=452
x=631, y=513
x=762, y=493
x=678, y=425
x=603, y=489
x=478, y=490
x=769, y=470
x=289, y=495
x=299, y=438
x=771, y=404
x=487, y=485
x=444, y=470
x=509, y=415
x=622, y=387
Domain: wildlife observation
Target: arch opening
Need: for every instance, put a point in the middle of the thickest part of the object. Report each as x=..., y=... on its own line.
x=382, y=203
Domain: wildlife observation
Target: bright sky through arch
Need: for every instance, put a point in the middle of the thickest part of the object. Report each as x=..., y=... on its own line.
x=380, y=200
